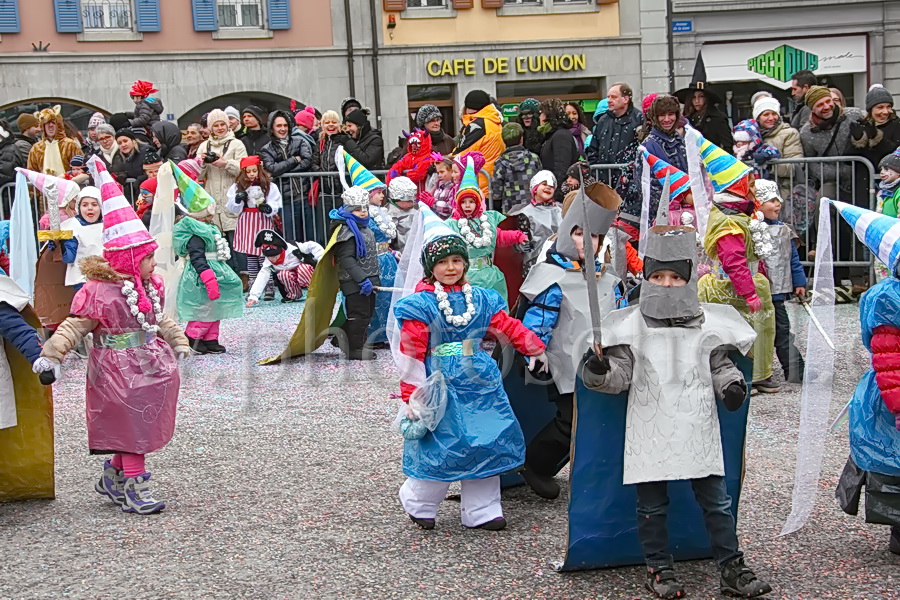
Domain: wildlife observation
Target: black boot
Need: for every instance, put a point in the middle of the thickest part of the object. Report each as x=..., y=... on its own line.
x=545, y=487
x=738, y=580
x=214, y=347
x=198, y=346
x=423, y=523
x=356, y=340
x=662, y=582
x=894, y=545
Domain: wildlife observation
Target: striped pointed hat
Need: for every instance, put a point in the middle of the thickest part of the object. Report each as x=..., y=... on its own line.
x=880, y=233
x=126, y=242
x=723, y=169
x=438, y=240
x=679, y=182
x=195, y=200
x=468, y=188
x=60, y=191
x=359, y=175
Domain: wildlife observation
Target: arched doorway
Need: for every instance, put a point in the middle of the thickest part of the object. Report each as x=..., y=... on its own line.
x=75, y=111
x=265, y=100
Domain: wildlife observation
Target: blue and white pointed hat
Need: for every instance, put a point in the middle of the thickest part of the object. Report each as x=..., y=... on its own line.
x=438, y=240
x=880, y=233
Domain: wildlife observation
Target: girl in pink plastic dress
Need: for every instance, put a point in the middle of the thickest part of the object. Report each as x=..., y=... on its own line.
x=132, y=375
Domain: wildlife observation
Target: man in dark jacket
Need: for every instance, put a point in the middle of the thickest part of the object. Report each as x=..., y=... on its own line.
x=290, y=152
x=362, y=142
x=167, y=137
x=9, y=155
x=801, y=81
x=614, y=138
x=255, y=135
x=29, y=132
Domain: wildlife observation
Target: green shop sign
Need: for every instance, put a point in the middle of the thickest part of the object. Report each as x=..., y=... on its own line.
x=782, y=62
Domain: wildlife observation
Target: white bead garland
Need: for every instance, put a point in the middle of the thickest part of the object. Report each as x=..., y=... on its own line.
x=763, y=244
x=131, y=298
x=444, y=305
x=481, y=241
x=223, y=252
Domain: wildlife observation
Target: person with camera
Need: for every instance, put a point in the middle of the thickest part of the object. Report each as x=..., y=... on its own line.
x=221, y=156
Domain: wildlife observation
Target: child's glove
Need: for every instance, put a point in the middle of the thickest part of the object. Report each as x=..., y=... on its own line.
x=48, y=368
x=598, y=365
x=212, y=286
x=265, y=209
x=754, y=303
x=734, y=396
x=760, y=158
x=241, y=197
x=366, y=288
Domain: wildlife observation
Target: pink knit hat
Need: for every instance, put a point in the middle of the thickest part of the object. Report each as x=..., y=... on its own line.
x=125, y=239
x=647, y=102
x=306, y=117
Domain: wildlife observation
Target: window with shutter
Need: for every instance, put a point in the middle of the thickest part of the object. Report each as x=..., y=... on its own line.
x=279, y=14
x=147, y=15
x=68, y=16
x=9, y=16
x=204, y=13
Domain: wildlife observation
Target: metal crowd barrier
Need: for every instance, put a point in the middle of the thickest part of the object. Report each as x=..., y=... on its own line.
x=309, y=197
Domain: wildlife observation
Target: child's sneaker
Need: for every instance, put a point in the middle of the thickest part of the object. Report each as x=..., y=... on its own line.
x=662, y=582
x=738, y=580
x=138, y=498
x=111, y=484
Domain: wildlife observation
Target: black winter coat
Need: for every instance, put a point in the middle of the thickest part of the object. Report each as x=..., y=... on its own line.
x=145, y=113
x=558, y=153
x=169, y=137
x=368, y=149
x=9, y=160
x=281, y=160
x=714, y=127
x=254, y=140
x=134, y=169
x=614, y=140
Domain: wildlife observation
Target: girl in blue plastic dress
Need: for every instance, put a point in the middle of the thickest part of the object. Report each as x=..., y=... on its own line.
x=478, y=438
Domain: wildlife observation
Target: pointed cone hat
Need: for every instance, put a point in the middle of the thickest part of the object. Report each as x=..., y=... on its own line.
x=880, y=233
x=194, y=198
x=679, y=182
x=723, y=169
x=122, y=229
x=359, y=175
x=469, y=183
x=60, y=191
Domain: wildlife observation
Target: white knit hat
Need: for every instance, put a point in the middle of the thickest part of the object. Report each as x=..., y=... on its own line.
x=764, y=104
x=232, y=112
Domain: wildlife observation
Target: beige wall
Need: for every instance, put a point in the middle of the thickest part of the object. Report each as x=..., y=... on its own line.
x=485, y=26
x=310, y=28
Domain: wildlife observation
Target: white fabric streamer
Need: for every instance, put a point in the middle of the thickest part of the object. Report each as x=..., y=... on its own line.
x=162, y=221
x=645, y=205
x=23, y=255
x=817, y=382
x=409, y=273
x=701, y=188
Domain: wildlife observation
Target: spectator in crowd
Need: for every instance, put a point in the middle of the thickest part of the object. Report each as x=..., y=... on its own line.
x=664, y=142
x=290, y=152
x=147, y=108
x=580, y=125
x=482, y=123
x=614, y=138
x=52, y=152
x=167, y=138
x=513, y=171
x=330, y=138
x=97, y=119
x=801, y=81
x=192, y=139
x=429, y=118
x=234, y=121
x=29, y=131
x=878, y=133
x=362, y=142
x=827, y=133
x=781, y=136
x=133, y=152
x=255, y=134
x=701, y=109
x=221, y=157
x=109, y=152
x=349, y=105
x=306, y=123
x=559, y=151
x=529, y=119
x=9, y=154
x=838, y=97
x=204, y=127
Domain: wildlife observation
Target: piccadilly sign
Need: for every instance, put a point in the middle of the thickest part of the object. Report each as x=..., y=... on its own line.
x=554, y=63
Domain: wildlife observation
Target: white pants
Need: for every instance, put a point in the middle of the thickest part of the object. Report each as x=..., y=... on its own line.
x=479, y=499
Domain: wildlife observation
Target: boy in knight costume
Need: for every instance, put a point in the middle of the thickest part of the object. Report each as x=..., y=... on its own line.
x=670, y=353
x=542, y=213
x=291, y=262
x=558, y=311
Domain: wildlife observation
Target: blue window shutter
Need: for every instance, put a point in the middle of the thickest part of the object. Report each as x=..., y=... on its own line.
x=205, y=15
x=279, y=13
x=9, y=16
x=147, y=15
x=68, y=16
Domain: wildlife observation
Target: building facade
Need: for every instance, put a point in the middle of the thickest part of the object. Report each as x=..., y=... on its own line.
x=395, y=55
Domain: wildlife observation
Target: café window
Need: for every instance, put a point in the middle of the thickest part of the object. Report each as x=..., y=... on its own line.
x=441, y=96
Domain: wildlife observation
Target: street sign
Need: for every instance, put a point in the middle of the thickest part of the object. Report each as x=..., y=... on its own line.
x=686, y=26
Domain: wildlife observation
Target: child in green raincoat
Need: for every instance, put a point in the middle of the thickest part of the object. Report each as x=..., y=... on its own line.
x=478, y=227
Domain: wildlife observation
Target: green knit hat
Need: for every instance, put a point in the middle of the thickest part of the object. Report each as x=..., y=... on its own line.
x=511, y=134
x=439, y=240
x=530, y=105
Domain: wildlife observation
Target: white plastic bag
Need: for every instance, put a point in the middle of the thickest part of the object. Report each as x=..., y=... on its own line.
x=428, y=404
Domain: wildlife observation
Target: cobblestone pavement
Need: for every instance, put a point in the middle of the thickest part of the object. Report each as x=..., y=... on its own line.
x=281, y=483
